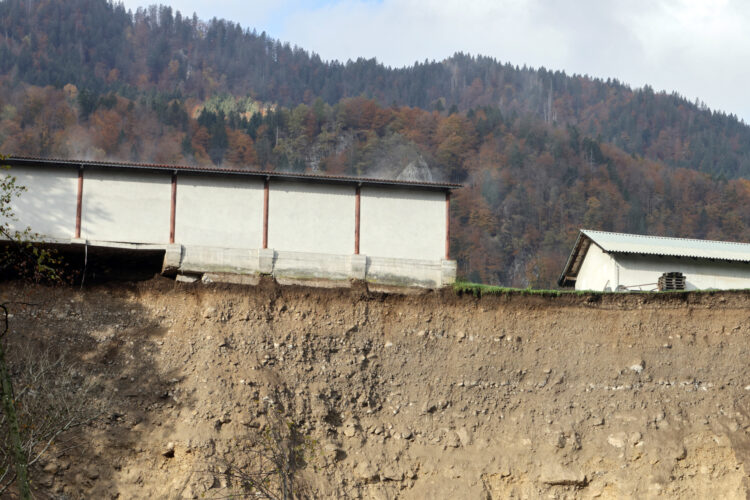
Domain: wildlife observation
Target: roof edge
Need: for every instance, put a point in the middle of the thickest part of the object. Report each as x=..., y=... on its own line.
x=14, y=160
x=588, y=232
x=564, y=280
x=587, y=237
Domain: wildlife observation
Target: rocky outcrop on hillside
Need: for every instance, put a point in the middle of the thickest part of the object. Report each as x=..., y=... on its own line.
x=430, y=395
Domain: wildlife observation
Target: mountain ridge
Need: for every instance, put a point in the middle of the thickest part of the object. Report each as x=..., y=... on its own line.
x=100, y=46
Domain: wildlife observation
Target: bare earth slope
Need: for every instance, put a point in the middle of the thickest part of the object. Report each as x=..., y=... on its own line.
x=406, y=396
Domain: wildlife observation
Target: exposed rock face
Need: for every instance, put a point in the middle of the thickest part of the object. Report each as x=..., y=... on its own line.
x=416, y=171
x=500, y=397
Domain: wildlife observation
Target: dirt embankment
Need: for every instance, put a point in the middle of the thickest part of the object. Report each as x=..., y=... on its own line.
x=423, y=396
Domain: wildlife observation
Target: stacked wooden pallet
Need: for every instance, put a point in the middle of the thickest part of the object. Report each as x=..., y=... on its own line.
x=671, y=281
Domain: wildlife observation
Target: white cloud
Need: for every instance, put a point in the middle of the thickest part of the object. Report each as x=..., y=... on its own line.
x=401, y=32
x=696, y=48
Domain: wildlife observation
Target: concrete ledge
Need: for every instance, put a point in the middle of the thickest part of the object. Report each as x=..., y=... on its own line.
x=235, y=279
x=404, y=272
x=314, y=282
x=196, y=259
x=303, y=265
x=120, y=244
x=294, y=267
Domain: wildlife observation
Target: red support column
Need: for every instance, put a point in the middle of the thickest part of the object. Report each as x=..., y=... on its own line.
x=79, y=203
x=356, y=222
x=173, y=208
x=447, y=225
x=265, y=213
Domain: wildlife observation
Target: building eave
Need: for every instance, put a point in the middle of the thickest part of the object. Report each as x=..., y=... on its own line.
x=573, y=265
x=301, y=177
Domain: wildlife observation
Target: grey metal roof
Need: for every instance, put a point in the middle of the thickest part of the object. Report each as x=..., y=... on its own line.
x=674, y=247
x=649, y=245
x=60, y=162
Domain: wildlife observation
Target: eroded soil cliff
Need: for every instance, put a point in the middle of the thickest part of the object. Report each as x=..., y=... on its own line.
x=403, y=396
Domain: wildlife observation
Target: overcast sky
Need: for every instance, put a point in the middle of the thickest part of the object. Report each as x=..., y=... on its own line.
x=699, y=48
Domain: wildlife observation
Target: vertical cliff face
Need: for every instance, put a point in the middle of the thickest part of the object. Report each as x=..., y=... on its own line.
x=399, y=396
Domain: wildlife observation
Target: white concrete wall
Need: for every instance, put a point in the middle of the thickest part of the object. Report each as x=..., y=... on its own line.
x=598, y=271
x=219, y=211
x=401, y=223
x=307, y=217
x=126, y=205
x=601, y=271
x=48, y=206
x=700, y=274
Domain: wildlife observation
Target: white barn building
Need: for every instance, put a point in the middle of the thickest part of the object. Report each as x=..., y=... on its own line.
x=605, y=261
x=211, y=220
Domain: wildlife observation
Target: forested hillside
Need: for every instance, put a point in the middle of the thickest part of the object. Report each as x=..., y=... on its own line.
x=541, y=153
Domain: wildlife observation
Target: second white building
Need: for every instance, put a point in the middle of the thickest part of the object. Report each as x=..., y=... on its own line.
x=604, y=261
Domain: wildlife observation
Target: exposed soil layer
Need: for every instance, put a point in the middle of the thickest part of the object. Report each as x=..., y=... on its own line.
x=431, y=395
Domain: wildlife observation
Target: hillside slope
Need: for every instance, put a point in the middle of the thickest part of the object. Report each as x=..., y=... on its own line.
x=97, y=46
x=406, y=396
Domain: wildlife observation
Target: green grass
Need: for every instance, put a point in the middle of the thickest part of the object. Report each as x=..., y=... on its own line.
x=479, y=290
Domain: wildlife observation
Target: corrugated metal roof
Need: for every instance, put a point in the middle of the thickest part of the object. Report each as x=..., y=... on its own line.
x=674, y=247
x=30, y=160
x=649, y=245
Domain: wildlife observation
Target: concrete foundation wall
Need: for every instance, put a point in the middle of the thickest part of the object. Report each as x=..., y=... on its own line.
x=130, y=206
x=225, y=212
x=310, y=266
x=48, y=206
x=401, y=223
x=316, y=218
x=200, y=259
x=404, y=272
x=304, y=265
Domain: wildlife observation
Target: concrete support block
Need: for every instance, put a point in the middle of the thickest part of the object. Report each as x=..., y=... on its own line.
x=266, y=258
x=358, y=269
x=448, y=272
x=172, y=259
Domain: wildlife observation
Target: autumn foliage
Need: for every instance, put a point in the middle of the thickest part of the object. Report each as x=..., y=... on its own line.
x=541, y=154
